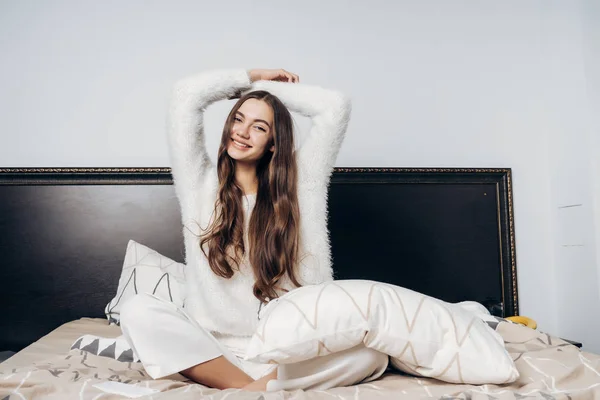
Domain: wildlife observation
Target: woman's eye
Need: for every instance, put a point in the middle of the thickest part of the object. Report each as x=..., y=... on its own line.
x=260, y=128
x=238, y=119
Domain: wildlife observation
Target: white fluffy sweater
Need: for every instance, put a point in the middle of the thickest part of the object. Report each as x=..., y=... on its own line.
x=227, y=307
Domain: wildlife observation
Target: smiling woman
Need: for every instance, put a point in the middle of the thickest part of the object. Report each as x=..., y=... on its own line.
x=256, y=156
x=252, y=126
x=255, y=227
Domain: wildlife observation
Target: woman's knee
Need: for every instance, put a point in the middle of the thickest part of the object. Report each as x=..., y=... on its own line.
x=373, y=357
x=374, y=362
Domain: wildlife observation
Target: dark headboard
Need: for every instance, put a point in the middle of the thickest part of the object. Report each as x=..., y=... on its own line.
x=448, y=233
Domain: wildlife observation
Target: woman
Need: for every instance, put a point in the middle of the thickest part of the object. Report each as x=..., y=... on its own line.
x=254, y=228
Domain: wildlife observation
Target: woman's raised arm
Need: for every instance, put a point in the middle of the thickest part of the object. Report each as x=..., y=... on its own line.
x=191, y=164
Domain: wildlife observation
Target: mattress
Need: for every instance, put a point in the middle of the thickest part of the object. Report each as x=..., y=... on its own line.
x=549, y=368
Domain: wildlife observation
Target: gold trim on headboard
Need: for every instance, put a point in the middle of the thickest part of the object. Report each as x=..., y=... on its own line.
x=84, y=170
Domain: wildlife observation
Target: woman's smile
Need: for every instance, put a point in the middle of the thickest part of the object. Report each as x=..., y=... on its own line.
x=240, y=145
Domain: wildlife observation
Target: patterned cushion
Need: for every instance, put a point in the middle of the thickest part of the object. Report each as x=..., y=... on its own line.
x=147, y=271
x=424, y=336
x=115, y=348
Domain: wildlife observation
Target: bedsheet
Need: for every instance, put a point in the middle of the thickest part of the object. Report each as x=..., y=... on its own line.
x=549, y=368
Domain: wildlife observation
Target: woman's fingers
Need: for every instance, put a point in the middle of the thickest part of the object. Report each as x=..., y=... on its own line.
x=290, y=76
x=287, y=75
x=280, y=75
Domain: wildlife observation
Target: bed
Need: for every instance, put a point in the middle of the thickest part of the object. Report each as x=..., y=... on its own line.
x=448, y=233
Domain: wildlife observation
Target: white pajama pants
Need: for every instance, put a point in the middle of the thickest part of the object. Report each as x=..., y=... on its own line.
x=167, y=341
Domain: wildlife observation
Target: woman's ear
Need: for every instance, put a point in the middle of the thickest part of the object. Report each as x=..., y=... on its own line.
x=272, y=149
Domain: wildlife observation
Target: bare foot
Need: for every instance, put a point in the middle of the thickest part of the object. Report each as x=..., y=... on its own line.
x=260, y=385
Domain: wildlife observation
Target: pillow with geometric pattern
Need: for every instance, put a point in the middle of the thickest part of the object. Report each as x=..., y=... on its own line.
x=423, y=336
x=146, y=271
x=116, y=348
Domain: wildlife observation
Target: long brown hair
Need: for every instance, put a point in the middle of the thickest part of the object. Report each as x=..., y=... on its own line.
x=274, y=226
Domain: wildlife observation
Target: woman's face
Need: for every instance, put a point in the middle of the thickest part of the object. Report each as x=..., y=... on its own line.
x=251, y=131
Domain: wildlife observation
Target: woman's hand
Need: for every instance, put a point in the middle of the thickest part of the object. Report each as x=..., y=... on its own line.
x=280, y=75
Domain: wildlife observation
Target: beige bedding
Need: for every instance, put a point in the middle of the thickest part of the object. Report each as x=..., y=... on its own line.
x=550, y=369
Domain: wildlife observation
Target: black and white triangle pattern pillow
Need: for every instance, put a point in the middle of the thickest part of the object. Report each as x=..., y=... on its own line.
x=147, y=271
x=115, y=348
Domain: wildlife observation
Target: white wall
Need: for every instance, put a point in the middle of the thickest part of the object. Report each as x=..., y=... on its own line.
x=591, y=51
x=434, y=83
x=571, y=157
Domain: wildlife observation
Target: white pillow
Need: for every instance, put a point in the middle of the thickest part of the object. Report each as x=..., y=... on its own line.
x=424, y=336
x=146, y=271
